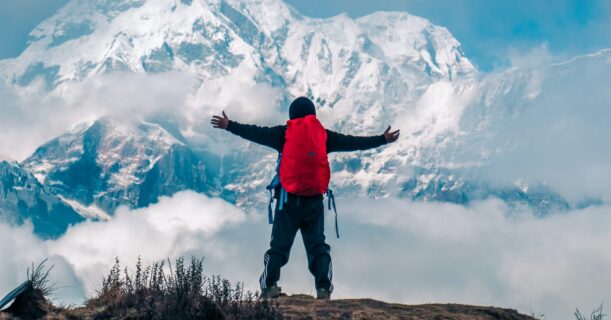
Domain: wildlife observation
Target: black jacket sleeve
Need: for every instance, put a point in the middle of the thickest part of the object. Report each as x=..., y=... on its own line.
x=272, y=137
x=341, y=142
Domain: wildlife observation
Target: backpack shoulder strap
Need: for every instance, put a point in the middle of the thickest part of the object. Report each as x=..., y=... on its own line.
x=270, y=187
x=331, y=199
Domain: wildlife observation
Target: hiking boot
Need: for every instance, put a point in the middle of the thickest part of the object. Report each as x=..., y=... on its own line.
x=323, y=294
x=271, y=292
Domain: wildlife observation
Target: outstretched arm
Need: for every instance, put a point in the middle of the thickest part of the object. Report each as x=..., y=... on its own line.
x=341, y=142
x=272, y=137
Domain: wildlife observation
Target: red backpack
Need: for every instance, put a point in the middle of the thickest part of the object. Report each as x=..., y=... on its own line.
x=304, y=169
x=303, y=166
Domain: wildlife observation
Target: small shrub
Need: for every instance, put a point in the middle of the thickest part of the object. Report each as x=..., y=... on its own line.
x=184, y=292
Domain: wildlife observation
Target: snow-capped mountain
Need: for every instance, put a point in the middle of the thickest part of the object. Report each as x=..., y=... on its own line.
x=375, y=65
x=365, y=73
x=113, y=161
x=389, y=55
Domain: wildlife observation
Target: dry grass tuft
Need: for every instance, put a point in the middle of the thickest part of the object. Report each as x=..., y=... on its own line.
x=184, y=292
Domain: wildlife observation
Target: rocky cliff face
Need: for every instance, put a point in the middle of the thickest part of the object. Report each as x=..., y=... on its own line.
x=112, y=162
x=23, y=198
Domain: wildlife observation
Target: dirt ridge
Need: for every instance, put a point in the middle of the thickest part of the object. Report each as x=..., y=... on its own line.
x=297, y=307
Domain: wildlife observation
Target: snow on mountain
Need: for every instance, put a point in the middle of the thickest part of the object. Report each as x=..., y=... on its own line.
x=331, y=58
x=525, y=135
x=384, y=68
x=349, y=67
x=419, y=43
x=117, y=161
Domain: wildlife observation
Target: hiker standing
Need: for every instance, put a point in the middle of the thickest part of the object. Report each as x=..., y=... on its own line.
x=302, y=179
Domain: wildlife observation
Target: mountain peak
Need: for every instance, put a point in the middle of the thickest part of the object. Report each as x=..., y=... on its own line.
x=213, y=37
x=418, y=39
x=112, y=141
x=105, y=162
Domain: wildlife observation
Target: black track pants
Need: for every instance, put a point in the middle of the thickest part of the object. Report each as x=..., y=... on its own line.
x=305, y=214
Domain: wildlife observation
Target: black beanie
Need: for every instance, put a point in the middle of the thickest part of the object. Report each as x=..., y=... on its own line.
x=301, y=107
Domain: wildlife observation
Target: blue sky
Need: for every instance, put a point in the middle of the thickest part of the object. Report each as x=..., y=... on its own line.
x=490, y=31
x=18, y=18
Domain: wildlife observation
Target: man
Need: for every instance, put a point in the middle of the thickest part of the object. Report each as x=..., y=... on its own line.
x=297, y=212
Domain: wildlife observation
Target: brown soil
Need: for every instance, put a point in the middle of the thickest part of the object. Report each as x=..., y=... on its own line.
x=306, y=307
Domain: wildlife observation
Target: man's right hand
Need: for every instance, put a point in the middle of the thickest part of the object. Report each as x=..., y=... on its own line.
x=391, y=136
x=220, y=122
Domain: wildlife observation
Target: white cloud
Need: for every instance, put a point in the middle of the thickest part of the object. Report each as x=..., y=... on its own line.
x=185, y=223
x=557, y=133
x=240, y=96
x=20, y=248
x=34, y=116
x=31, y=116
x=481, y=254
x=126, y=92
x=170, y=228
x=390, y=249
x=537, y=56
